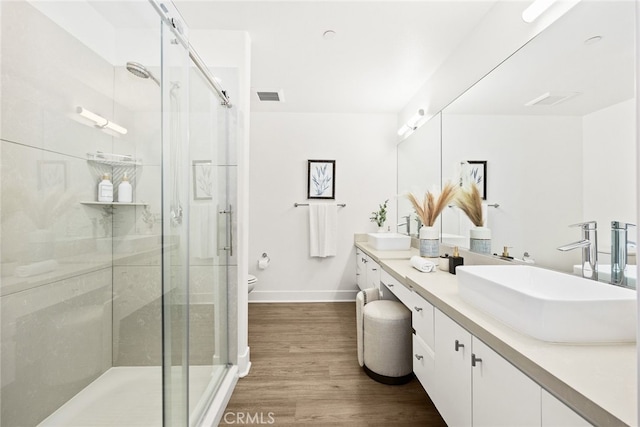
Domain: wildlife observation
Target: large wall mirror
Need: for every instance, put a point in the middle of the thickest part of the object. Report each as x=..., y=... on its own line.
x=555, y=124
x=418, y=170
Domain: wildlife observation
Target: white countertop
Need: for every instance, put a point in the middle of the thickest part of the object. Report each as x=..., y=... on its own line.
x=597, y=381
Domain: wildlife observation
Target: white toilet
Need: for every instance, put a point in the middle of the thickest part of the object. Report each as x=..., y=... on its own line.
x=252, y=282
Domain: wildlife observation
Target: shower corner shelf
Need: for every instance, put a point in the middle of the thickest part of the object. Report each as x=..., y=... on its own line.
x=113, y=203
x=113, y=159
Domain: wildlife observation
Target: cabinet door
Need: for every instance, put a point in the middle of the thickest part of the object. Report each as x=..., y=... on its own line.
x=373, y=274
x=502, y=395
x=556, y=413
x=423, y=363
x=452, y=379
x=361, y=269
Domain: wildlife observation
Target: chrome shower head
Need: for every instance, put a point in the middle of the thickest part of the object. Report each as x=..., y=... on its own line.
x=140, y=70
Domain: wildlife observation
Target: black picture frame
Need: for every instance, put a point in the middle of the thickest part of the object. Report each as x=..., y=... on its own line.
x=477, y=172
x=321, y=179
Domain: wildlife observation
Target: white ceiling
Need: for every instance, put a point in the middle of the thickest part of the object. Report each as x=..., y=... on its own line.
x=382, y=53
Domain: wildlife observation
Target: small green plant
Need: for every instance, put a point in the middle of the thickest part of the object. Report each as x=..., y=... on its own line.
x=380, y=216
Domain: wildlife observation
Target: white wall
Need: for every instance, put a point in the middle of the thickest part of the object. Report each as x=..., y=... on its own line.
x=363, y=146
x=609, y=151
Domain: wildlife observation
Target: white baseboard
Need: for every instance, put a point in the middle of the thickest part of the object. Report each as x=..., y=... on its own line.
x=303, y=296
x=244, y=363
x=214, y=413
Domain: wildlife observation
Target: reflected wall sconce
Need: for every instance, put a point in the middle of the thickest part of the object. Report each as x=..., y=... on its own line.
x=100, y=121
x=412, y=123
x=535, y=9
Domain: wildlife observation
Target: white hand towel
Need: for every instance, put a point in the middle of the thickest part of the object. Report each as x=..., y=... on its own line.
x=203, y=230
x=423, y=265
x=36, y=268
x=323, y=229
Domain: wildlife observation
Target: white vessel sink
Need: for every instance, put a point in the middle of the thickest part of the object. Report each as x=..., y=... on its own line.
x=549, y=305
x=604, y=273
x=389, y=241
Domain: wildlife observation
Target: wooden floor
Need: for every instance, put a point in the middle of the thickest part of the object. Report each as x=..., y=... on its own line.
x=305, y=372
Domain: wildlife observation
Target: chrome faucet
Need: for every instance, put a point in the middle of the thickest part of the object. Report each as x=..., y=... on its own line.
x=406, y=223
x=589, y=245
x=619, y=244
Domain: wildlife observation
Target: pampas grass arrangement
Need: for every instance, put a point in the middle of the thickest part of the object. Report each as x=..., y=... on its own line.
x=470, y=202
x=431, y=207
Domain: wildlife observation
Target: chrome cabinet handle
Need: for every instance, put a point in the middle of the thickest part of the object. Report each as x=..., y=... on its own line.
x=391, y=285
x=459, y=345
x=417, y=308
x=419, y=357
x=475, y=360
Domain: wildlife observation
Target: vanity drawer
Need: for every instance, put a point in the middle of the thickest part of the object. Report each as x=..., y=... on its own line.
x=422, y=313
x=398, y=289
x=423, y=363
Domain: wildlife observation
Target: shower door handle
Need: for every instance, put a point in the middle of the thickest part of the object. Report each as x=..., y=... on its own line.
x=229, y=221
x=230, y=225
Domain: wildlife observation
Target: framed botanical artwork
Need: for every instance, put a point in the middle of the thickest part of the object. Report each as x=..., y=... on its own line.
x=321, y=179
x=202, y=180
x=476, y=171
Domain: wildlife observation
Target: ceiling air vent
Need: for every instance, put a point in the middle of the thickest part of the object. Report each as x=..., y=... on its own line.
x=270, y=96
x=551, y=98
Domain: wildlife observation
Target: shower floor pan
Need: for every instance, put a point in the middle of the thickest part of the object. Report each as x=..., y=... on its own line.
x=124, y=396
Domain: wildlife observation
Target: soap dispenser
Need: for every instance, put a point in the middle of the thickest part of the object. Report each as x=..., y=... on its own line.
x=105, y=189
x=455, y=260
x=505, y=253
x=125, y=192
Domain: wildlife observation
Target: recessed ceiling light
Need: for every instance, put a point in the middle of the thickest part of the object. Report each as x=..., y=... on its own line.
x=593, y=40
x=328, y=35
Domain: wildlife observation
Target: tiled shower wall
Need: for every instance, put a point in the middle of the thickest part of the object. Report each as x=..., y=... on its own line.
x=62, y=328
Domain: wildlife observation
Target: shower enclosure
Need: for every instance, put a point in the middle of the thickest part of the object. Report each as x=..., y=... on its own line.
x=112, y=313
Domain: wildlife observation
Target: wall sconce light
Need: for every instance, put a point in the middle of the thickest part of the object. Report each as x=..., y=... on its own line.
x=535, y=9
x=100, y=121
x=412, y=123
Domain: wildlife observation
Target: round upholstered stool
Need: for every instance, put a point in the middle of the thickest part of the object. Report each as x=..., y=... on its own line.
x=387, y=342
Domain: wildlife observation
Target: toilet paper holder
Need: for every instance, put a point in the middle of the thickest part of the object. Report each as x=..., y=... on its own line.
x=264, y=261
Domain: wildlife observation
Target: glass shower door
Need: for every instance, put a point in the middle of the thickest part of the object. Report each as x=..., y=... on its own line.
x=210, y=244
x=175, y=224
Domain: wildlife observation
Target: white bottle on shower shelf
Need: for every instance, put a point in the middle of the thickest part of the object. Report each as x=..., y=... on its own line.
x=125, y=191
x=105, y=189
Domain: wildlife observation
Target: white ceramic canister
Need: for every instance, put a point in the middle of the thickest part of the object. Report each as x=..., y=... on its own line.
x=429, y=242
x=480, y=240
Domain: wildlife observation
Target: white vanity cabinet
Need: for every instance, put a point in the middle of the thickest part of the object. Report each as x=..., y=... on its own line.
x=556, y=413
x=373, y=274
x=367, y=271
x=474, y=386
x=502, y=395
x=422, y=322
x=452, y=389
x=361, y=269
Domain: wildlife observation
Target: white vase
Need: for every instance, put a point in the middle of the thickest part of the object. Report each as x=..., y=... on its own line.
x=381, y=229
x=429, y=242
x=480, y=240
